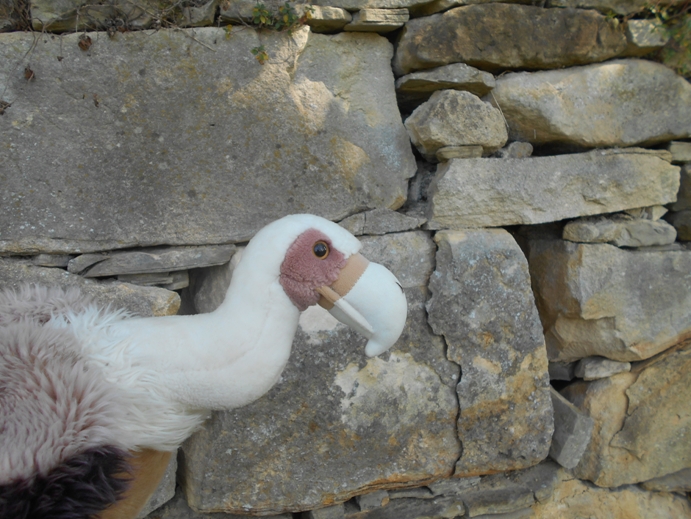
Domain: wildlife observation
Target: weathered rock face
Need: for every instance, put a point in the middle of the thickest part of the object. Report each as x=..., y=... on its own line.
x=597, y=299
x=574, y=499
x=684, y=197
x=482, y=304
x=337, y=425
x=618, y=103
x=143, y=301
x=494, y=192
x=620, y=230
x=455, y=118
x=488, y=36
x=573, y=430
x=642, y=419
x=125, y=173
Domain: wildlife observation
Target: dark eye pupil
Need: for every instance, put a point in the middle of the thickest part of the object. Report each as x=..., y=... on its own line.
x=320, y=250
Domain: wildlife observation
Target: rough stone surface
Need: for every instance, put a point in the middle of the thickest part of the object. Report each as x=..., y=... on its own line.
x=336, y=418
x=572, y=432
x=455, y=118
x=459, y=152
x=493, y=192
x=618, y=103
x=676, y=482
x=143, y=301
x=413, y=89
x=492, y=37
x=684, y=196
x=438, y=507
x=147, y=261
x=373, y=500
x=593, y=368
x=165, y=491
x=620, y=230
x=380, y=221
x=328, y=19
x=642, y=420
x=71, y=15
x=681, y=151
x=377, y=20
x=682, y=223
x=483, y=306
x=329, y=512
x=541, y=479
x=51, y=260
x=574, y=499
x=207, y=159
x=599, y=300
x=644, y=37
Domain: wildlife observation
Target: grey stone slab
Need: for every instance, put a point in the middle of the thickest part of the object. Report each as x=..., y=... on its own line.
x=148, y=261
x=329, y=512
x=143, y=301
x=377, y=20
x=593, y=368
x=682, y=223
x=492, y=37
x=683, y=202
x=498, y=501
x=159, y=278
x=644, y=37
x=627, y=103
x=453, y=486
x=620, y=230
x=493, y=192
x=337, y=425
x=373, y=500
x=411, y=493
x=483, y=305
x=654, y=212
x=413, y=89
x=681, y=151
x=572, y=432
x=174, y=136
x=51, y=260
x=562, y=370
x=165, y=491
x=541, y=479
x=438, y=508
x=600, y=300
x=380, y=221
x=679, y=481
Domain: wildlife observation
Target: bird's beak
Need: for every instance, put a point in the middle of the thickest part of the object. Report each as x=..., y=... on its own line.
x=368, y=298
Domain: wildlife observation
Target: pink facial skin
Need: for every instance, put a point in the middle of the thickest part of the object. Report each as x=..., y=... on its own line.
x=302, y=271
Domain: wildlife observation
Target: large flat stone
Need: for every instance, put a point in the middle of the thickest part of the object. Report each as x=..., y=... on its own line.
x=642, y=421
x=620, y=230
x=143, y=301
x=597, y=299
x=483, y=306
x=618, y=103
x=337, y=425
x=174, y=137
x=493, y=37
x=495, y=192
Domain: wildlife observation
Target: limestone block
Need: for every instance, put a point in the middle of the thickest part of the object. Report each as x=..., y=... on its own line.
x=483, y=306
x=676, y=482
x=654, y=212
x=593, y=368
x=161, y=259
x=413, y=89
x=143, y=301
x=492, y=37
x=641, y=421
x=575, y=499
x=438, y=507
x=620, y=230
x=458, y=152
x=79, y=15
x=165, y=491
x=644, y=37
x=337, y=425
x=681, y=151
x=492, y=192
x=683, y=202
x=380, y=221
x=599, y=300
x=682, y=223
x=328, y=19
x=572, y=432
x=190, y=141
x=618, y=103
x=377, y=20
x=455, y=118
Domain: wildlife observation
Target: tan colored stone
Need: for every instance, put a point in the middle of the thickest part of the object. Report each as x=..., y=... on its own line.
x=377, y=20
x=642, y=420
x=575, y=499
x=492, y=37
x=600, y=300
x=327, y=19
x=617, y=103
x=458, y=152
x=681, y=151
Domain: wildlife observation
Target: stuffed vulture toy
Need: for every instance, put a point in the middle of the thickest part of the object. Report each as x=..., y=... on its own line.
x=93, y=401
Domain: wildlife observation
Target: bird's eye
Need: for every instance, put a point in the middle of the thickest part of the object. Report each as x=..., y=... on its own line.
x=320, y=250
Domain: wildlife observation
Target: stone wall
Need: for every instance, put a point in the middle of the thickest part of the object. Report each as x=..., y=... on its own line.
x=522, y=170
